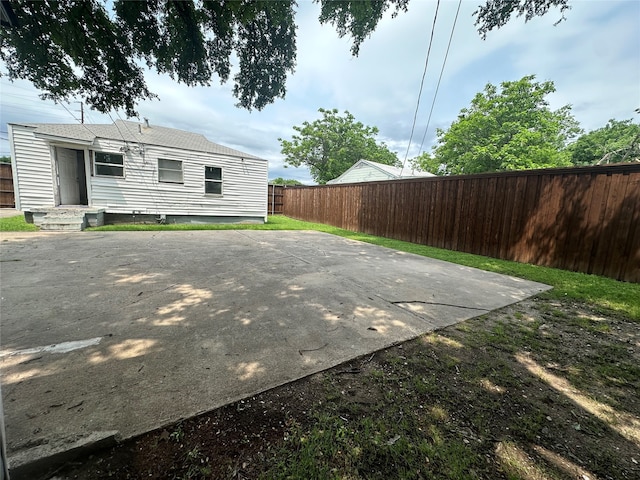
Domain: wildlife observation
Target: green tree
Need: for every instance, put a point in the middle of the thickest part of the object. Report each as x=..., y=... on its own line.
x=496, y=13
x=5, y=159
x=617, y=141
x=79, y=49
x=285, y=181
x=332, y=144
x=511, y=128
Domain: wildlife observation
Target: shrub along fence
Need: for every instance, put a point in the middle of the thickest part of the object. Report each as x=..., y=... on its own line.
x=581, y=219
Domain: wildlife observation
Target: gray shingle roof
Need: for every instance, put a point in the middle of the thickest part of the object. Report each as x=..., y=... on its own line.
x=399, y=172
x=135, y=132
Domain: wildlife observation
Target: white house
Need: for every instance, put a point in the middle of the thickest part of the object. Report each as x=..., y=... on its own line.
x=368, y=171
x=130, y=169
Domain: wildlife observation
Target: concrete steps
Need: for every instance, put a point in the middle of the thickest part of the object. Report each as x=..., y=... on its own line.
x=63, y=222
x=66, y=219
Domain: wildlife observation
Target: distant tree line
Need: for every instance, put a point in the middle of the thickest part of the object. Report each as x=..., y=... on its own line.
x=285, y=181
x=506, y=127
x=512, y=127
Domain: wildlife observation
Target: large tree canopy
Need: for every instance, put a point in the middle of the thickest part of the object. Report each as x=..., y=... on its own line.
x=511, y=128
x=332, y=144
x=617, y=141
x=76, y=48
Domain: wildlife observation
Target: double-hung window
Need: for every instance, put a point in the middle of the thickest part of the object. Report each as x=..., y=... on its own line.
x=169, y=171
x=108, y=164
x=213, y=180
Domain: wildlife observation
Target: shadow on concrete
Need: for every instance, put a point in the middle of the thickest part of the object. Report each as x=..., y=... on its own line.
x=190, y=321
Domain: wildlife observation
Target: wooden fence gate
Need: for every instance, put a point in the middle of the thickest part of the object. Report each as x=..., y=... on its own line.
x=7, y=199
x=274, y=199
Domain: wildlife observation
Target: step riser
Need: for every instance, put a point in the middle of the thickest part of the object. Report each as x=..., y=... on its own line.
x=66, y=227
x=61, y=221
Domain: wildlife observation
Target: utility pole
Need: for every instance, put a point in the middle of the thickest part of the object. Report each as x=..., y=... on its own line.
x=81, y=112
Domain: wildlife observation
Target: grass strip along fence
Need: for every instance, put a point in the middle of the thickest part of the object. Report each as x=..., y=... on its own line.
x=583, y=219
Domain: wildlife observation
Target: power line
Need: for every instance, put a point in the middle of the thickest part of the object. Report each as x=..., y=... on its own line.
x=69, y=112
x=118, y=128
x=19, y=87
x=74, y=117
x=158, y=190
x=22, y=106
x=30, y=97
x=125, y=124
x=435, y=95
x=424, y=73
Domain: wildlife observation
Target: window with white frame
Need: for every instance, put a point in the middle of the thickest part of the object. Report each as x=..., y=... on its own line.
x=213, y=180
x=108, y=164
x=169, y=171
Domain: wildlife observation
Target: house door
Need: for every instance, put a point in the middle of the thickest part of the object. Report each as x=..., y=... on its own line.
x=72, y=180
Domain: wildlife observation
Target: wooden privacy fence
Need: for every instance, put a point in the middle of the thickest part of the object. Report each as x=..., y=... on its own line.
x=580, y=219
x=7, y=199
x=274, y=199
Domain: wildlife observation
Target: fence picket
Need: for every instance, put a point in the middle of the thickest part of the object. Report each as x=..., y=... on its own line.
x=583, y=219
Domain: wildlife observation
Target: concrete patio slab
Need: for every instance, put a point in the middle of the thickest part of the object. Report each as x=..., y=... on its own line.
x=129, y=331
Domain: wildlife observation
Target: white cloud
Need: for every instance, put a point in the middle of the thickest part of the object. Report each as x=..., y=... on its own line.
x=593, y=58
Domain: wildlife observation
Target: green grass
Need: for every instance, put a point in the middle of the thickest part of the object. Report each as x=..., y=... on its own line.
x=604, y=292
x=369, y=448
x=458, y=403
x=16, y=224
x=274, y=223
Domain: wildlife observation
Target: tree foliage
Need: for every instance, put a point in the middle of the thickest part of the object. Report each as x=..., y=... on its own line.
x=332, y=144
x=511, y=128
x=496, y=13
x=357, y=19
x=79, y=49
x=285, y=181
x=617, y=141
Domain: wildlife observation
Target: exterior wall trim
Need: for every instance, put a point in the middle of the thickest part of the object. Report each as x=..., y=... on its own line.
x=14, y=168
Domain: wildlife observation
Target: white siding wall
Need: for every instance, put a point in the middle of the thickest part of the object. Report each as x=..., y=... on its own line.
x=244, y=181
x=364, y=173
x=244, y=184
x=33, y=170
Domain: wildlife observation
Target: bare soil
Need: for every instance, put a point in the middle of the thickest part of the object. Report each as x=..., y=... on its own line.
x=540, y=389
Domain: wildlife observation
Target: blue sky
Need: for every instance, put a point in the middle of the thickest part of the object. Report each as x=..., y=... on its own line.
x=593, y=58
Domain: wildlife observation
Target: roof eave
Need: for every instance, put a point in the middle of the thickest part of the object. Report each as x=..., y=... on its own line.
x=56, y=138
x=392, y=176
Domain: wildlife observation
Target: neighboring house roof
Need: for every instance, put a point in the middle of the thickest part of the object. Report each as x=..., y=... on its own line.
x=391, y=172
x=132, y=132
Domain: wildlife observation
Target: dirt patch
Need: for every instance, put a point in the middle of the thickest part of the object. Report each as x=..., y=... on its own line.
x=540, y=389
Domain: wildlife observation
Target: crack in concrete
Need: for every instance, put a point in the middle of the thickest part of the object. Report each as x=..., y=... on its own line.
x=439, y=304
